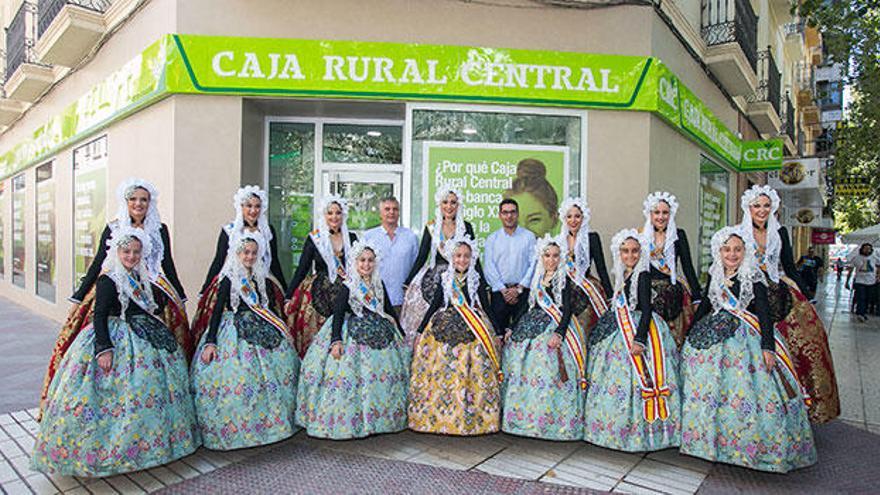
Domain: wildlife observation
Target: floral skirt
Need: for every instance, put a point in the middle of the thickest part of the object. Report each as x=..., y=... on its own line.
x=313, y=302
x=540, y=392
x=417, y=298
x=733, y=410
x=364, y=391
x=454, y=386
x=138, y=415
x=614, y=411
x=246, y=396
x=807, y=341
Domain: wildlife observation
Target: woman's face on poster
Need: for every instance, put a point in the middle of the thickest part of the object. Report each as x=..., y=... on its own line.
x=533, y=215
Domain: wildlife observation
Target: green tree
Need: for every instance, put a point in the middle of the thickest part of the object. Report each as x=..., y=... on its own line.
x=851, y=35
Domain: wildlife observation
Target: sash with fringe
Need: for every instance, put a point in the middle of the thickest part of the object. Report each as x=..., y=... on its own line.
x=250, y=297
x=477, y=326
x=654, y=391
x=575, y=339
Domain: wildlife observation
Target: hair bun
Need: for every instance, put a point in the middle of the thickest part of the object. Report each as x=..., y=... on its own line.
x=531, y=169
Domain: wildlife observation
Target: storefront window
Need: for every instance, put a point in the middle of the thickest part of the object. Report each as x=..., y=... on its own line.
x=344, y=143
x=45, y=240
x=482, y=153
x=291, y=187
x=18, y=242
x=714, y=191
x=89, y=203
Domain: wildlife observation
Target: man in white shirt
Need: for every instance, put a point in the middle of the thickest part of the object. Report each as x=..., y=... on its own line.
x=509, y=264
x=864, y=272
x=399, y=247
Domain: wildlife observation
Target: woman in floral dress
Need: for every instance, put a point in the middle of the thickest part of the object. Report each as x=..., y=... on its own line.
x=120, y=401
x=741, y=401
x=355, y=376
x=244, y=379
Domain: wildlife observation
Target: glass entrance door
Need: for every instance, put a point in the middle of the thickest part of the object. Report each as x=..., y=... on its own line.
x=309, y=159
x=363, y=190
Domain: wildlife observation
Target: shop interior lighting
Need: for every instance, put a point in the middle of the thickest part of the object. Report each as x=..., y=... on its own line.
x=374, y=133
x=469, y=131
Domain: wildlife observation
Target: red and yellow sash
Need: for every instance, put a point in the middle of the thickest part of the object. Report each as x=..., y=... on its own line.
x=165, y=286
x=252, y=300
x=654, y=392
x=780, y=349
x=575, y=339
x=590, y=289
x=477, y=326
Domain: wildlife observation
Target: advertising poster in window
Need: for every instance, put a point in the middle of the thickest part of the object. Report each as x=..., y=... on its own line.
x=485, y=173
x=18, y=244
x=2, y=229
x=89, y=203
x=713, y=211
x=46, y=232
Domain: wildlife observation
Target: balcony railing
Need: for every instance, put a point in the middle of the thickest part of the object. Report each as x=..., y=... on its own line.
x=769, y=80
x=729, y=21
x=795, y=28
x=806, y=77
x=787, y=118
x=49, y=9
x=19, y=38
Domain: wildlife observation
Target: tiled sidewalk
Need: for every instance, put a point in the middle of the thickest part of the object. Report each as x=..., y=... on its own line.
x=575, y=464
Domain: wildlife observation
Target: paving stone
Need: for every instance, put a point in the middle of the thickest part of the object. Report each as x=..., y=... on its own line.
x=7, y=473
x=165, y=475
x=146, y=481
x=183, y=470
x=624, y=487
x=64, y=483
x=40, y=484
x=100, y=487
x=124, y=485
x=17, y=487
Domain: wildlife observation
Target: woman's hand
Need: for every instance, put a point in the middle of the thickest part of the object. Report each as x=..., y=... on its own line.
x=209, y=352
x=638, y=349
x=498, y=342
x=555, y=341
x=507, y=335
x=73, y=308
x=416, y=338
x=769, y=360
x=105, y=361
x=336, y=350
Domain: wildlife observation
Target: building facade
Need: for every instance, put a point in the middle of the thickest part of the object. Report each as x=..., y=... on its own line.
x=366, y=99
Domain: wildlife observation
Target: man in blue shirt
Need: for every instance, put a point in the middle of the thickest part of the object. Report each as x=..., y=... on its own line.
x=399, y=247
x=509, y=264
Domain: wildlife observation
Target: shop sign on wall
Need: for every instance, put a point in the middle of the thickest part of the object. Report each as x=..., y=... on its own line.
x=796, y=174
x=46, y=232
x=485, y=173
x=89, y=203
x=354, y=69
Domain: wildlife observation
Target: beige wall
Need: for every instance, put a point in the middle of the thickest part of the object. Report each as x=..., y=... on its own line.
x=206, y=157
x=425, y=21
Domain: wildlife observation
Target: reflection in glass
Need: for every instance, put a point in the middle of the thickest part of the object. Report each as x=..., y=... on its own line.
x=291, y=185
x=363, y=202
x=362, y=143
x=492, y=127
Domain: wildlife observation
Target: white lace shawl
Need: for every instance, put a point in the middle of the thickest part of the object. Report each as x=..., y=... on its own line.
x=773, y=249
x=650, y=203
x=581, y=249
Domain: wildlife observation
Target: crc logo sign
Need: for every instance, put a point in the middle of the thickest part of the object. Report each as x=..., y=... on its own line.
x=669, y=92
x=763, y=154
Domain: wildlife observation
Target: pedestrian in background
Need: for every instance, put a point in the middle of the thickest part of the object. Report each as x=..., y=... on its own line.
x=810, y=266
x=864, y=268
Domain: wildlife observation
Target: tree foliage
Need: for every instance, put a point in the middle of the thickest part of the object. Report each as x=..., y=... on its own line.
x=851, y=35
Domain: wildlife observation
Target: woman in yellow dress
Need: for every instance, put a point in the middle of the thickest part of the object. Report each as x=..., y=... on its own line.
x=456, y=369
